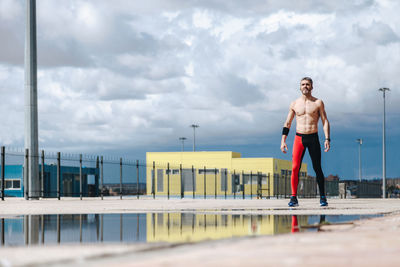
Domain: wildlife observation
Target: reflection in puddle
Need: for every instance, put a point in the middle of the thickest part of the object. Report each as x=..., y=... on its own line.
x=152, y=227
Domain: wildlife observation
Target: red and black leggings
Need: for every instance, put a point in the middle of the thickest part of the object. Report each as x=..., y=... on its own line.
x=301, y=142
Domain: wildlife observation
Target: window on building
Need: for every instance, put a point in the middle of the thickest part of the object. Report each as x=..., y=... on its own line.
x=224, y=179
x=12, y=184
x=209, y=171
x=189, y=180
x=174, y=171
x=160, y=181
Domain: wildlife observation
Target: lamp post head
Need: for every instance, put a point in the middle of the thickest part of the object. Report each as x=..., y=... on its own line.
x=182, y=138
x=383, y=89
x=194, y=126
x=359, y=140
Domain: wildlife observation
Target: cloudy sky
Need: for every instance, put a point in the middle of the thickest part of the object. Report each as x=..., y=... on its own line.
x=125, y=77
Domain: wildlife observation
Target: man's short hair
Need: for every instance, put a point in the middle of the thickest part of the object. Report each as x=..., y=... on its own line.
x=307, y=79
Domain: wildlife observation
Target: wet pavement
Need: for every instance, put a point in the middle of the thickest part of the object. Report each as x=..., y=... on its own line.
x=367, y=242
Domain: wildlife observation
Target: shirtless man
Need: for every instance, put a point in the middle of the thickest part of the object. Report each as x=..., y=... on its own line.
x=307, y=110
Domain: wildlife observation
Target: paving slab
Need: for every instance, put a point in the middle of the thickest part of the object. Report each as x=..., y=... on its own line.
x=17, y=206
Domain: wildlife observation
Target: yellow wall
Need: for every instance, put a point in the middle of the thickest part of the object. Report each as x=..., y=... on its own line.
x=220, y=160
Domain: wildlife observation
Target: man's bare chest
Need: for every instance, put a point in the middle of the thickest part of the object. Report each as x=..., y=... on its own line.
x=306, y=108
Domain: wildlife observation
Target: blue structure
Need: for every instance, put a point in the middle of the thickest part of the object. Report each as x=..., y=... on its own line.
x=69, y=181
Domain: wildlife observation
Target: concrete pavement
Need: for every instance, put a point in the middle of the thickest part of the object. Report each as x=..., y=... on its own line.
x=369, y=242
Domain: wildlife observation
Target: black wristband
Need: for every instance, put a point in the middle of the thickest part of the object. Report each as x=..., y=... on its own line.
x=328, y=139
x=285, y=131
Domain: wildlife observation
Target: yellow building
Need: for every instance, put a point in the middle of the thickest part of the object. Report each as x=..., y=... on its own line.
x=219, y=174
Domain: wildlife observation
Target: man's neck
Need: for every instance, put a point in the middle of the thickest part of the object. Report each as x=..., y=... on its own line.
x=306, y=97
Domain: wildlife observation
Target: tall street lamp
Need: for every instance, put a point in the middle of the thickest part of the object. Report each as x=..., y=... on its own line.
x=194, y=126
x=383, y=90
x=359, y=141
x=182, y=139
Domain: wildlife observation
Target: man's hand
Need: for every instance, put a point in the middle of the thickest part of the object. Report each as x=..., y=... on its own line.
x=327, y=145
x=284, y=147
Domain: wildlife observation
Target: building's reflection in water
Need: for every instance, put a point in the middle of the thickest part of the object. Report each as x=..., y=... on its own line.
x=190, y=227
x=151, y=227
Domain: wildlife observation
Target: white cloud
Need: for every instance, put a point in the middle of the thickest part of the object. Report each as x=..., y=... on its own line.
x=130, y=73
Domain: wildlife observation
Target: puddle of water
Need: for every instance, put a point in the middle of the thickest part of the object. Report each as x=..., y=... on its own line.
x=153, y=227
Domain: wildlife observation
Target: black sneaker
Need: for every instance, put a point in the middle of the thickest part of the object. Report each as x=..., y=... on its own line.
x=323, y=202
x=293, y=202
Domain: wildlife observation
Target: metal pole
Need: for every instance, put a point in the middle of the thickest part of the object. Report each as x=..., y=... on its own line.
x=383, y=90
x=226, y=181
x=168, y=170
x=101, y=177
x=234, y=184
x=153, y=188
x=205, y=185
x=193, y=182
x=31, y=109
x=215, y=182
x=359, y=141
x=3, y=166
x=58, y=174
x=120, y=178
x=182, y=182
x=26, y=174
x=137, y=179
x=194, y=126
x=183, y=142
x=42, y=174
x=251, y=184
x=243, y=185
x=80, y=176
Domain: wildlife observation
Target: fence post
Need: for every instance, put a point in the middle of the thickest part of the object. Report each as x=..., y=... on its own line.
x=193, y=182
x=101, y=177
x=182, y=182
x=58, y=174
x=234, y=184
x=26, y=175
x=259, y=185
x=251, y=184
x=269, y=185
x=120, y=178
x=243, y=185
x=80, y=176
x=168, y=170
x=42, y=176
x=205, y=185
x=285, y=185
x=226, y=181
x=153, y=187
x=215, y=181
x=3, y=166
x=137, y=179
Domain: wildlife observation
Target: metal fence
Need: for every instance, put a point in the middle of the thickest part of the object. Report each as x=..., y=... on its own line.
x=78, y=175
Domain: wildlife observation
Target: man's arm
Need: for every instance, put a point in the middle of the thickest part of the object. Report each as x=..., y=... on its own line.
x=326, y=126
x=287, y=125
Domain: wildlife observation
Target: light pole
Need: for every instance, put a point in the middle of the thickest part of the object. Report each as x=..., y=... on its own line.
x=360, y=141
x=182, y=139
x=383, y=90
x=194, y=126
x=32, y=184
